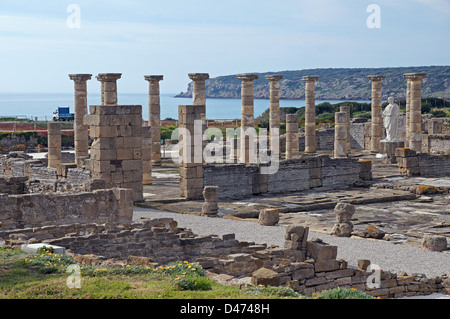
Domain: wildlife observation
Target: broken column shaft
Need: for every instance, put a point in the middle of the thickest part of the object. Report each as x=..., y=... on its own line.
x=154, y=116
x=310, y=114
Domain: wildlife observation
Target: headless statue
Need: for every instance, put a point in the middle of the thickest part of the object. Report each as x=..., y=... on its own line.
x=390, y=121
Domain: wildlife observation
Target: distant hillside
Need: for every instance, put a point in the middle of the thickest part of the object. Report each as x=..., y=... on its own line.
x=335, y=84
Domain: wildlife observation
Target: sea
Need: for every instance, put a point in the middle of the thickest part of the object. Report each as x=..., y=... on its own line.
x=41, y=106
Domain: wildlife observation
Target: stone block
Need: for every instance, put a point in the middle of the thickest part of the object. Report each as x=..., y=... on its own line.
x=434, y=243
x=268, y=217
x=266, y=277
x=320, y=251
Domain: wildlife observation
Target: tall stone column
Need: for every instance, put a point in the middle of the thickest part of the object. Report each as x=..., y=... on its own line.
x=377, y=113
x=408, y=105
x=109, y=87
x=274, y=109
x=146, y=155
x=81, y=136
x=154, y=116
x=340, y=135
x=415, y=110
x=292, y=148
x=247, y=120
x=347, y=110
x=54, y=144
x=199, y=89
x=310, y=114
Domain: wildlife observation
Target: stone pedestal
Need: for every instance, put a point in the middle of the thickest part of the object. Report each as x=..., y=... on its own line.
x=109, y=87
x=154, y=116
x=310, y=114
x=377, y=113
x=388, y=148
x=210, y=206
x=292, y=145
x=54, y=144
x=274, y=109
x=81, y=136
x=415, y=110
x=247, y=121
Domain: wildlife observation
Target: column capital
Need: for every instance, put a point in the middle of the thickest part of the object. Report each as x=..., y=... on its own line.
x=153, y=78
x=414, y=76
x=107, y=77
x=310, y=78
x=375, y=78
x=247, y=76
x=198, y=76
x=80, y=77
x=274, y=77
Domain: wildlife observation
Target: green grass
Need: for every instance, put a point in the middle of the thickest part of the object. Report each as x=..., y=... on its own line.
x=44, y=276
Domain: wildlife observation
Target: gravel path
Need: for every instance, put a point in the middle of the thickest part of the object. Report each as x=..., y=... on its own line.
x=388, y=256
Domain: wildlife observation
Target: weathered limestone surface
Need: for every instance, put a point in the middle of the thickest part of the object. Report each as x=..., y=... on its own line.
x=310, y=114
x=210, y=206
x=146, y=155
x=377, y=118
x=109, y=87
x=274, y=108
x=154, y=116
x=344, y=213
x=415, y=110
x=340, y=135
x=54, y=144
x=292, y=146
x=116, y=152
x=81, y=136
x=247, y=149
x=268, y=217
x=199, y=89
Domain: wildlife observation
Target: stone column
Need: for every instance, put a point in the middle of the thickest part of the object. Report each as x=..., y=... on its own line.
x=210, y=207
x=347, y=110
x=310, y=114
x=109, y=87
x=377, y=113
x=199, y=89
x=154, y=116
x=81, y=136
x=415, y=110
x=247, y=120
x=191, y=150
x=408, y=104
x=292, y=148
x=146, y=155
x=274, y=110
x=340, y=135
x=54, y=144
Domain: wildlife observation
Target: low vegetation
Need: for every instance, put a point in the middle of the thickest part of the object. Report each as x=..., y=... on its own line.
x=45, y=275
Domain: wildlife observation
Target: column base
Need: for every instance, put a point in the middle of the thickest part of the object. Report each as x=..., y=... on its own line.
x=388, y=148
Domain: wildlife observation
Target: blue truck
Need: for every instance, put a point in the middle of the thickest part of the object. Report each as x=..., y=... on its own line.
x=63, y=114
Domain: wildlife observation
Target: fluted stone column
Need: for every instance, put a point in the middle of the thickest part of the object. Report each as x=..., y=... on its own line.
x=247, y=120
x=154, y=116
x=292, y=148
x=274, y=109
x=199, y=89
x=415, y=110
x=347, y=110
x=146, y=155
x=340, y=135
x=54, y=144
x=109, y=87
x=377, y=113
x=81, y=136
x=310, y=114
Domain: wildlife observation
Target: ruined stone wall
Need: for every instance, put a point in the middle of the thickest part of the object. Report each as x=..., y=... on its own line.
x=238, y=181
x=32, y=210
x=438, y=143
x=325, y=139
x=412, y=163
x=310, y=267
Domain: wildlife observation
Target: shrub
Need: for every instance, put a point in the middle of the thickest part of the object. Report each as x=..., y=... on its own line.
x=47, y=262
x=342, y=293
x=193, y=282
x=272, y=291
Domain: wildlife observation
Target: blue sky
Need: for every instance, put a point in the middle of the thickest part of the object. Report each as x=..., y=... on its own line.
x=174, y=38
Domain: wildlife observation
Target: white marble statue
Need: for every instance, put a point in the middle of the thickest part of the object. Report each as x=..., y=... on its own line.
x=390, y=120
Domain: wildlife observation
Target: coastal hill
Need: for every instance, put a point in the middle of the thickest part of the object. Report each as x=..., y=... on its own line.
x=334, y=84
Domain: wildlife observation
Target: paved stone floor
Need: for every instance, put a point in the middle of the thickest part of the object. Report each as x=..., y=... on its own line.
x=390, y=204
